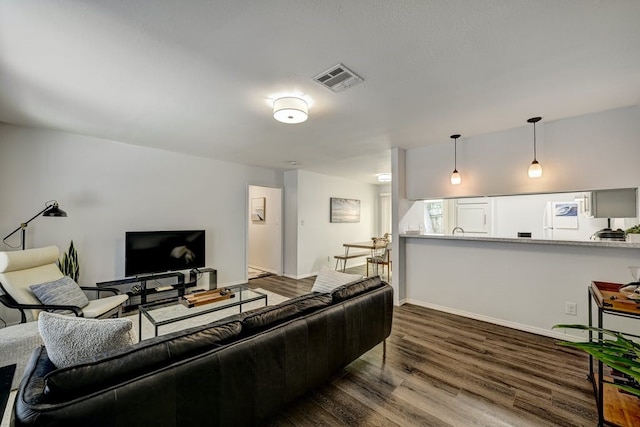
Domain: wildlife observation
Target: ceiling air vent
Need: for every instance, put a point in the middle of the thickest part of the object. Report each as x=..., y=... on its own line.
x=338, y=78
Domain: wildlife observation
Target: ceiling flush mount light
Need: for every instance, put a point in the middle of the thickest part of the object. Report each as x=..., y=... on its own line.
x=290, y=110
x=535, y=170
x=384, y=177
x=455, y=176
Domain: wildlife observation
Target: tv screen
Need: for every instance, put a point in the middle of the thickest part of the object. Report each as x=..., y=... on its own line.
x=160, y=251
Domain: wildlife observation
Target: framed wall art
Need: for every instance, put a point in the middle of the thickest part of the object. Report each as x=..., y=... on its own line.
x=258, y=211
x=344, y=210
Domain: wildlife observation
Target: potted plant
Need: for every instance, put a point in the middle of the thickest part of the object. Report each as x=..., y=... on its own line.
x=69, y=264
x=633, y=233
x=621, y=354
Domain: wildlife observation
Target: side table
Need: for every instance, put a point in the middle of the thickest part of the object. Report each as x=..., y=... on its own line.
x=6, y=378
x=619, y=409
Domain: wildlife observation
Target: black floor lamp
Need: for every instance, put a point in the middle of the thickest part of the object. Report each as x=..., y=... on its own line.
x=51, y=209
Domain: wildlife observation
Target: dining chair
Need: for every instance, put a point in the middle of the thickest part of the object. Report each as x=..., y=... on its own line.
x=380, y=258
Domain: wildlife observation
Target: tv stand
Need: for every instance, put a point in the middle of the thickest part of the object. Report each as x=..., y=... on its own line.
x=195, y=273
x=148, y=288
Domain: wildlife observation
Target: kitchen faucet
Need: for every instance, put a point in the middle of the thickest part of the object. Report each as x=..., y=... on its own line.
x=453, y=232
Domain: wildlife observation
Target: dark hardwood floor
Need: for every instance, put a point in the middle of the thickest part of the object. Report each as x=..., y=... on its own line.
x=446, y=370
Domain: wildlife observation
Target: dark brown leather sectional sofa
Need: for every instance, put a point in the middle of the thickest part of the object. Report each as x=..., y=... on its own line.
x=235, y=372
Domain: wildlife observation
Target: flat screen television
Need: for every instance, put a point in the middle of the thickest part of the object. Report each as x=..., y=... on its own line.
x=160, y=251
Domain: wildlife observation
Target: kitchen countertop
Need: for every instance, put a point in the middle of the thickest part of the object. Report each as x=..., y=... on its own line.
x=525, y=240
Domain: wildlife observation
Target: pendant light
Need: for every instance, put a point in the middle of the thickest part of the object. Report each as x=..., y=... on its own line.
x=535, y=170
x=455, y=176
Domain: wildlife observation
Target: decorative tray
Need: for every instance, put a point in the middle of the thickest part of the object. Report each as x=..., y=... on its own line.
x=207, y=297
x=608, y=295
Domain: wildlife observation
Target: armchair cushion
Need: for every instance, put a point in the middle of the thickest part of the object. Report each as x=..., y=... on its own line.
x=98, y=307
x=64, y=291
x=70, y=340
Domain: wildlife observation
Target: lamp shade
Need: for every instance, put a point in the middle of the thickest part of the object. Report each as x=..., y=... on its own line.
x=54, y=210
x=455, y=178
x=535, y=170
x=290, y=110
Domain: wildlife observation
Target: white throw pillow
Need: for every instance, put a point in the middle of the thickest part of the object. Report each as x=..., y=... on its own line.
x=70, y=340
x=328, y=279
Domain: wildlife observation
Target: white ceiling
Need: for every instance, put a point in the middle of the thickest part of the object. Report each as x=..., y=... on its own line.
x=198, y=76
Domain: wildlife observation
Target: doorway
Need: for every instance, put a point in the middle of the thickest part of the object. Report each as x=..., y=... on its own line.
x=264, y=231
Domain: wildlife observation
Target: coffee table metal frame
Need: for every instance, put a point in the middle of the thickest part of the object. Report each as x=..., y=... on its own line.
x=243, y=295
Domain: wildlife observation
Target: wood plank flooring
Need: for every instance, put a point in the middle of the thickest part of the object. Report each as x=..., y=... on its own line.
x=446, y=370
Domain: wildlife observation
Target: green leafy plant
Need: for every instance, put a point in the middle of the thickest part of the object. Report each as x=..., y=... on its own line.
x=621, y=354
x=634, y=230
x=69, y=265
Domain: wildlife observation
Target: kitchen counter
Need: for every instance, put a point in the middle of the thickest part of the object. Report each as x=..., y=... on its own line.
x=526, y=240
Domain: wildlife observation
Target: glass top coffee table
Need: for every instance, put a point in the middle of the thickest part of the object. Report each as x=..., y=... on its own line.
x=175, y=310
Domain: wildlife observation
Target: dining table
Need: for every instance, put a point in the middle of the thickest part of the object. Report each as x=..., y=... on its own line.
x=371, y=245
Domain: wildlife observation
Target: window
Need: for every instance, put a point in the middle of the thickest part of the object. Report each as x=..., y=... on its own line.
x=433, y=216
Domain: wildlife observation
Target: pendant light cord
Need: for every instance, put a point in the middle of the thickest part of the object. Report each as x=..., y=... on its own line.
x=455, y=154
x=455, y=151
x=534, y=141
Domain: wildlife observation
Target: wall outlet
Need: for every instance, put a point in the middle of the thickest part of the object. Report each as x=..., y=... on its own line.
x=571, y=308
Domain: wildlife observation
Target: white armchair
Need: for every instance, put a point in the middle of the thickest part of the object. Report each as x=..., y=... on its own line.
x=21, y=269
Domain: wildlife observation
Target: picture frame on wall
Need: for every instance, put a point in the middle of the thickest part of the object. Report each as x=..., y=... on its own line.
x=344, y=210
x=258, y=209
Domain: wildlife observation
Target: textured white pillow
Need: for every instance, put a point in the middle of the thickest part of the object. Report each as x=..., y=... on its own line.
x=328, y=279
x=70, y=340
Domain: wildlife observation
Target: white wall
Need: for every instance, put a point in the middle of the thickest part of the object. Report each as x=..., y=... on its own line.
x=265, y=238
x=519, y=285
x=594, y=151
x=413, y=218
x=399, y=207
x=318, y=240
x=108, y=188
x=291, y=223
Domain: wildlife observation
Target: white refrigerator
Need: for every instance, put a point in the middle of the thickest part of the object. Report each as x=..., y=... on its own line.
x=567, y=220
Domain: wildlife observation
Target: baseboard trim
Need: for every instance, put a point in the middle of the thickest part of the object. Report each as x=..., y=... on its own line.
x=299, y=277
x=235, y=282
x=500, y=322
x=268, y=270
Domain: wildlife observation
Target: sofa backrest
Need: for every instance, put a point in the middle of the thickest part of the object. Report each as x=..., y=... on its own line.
x=352, y=290
x=150, y=355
